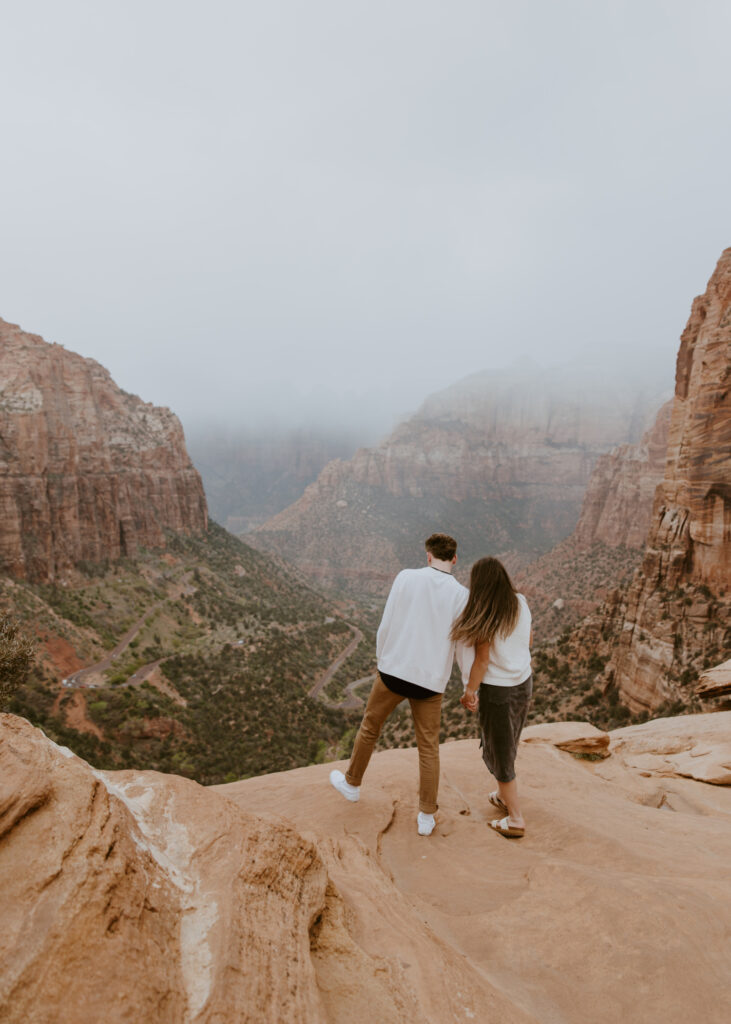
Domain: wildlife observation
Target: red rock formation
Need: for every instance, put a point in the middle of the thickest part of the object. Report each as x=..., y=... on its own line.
x=501, y=460
x=137, y=896
x=571, y=581
x=680, y=598
x=86, y=470
x=617, y=507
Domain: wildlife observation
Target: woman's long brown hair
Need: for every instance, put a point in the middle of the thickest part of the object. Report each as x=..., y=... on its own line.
x=492, y=607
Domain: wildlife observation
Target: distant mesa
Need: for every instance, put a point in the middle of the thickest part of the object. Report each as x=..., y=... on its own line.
x=87, y=471
x=501, y=460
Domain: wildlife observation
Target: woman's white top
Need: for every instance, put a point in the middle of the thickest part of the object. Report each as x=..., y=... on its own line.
x=509, y=663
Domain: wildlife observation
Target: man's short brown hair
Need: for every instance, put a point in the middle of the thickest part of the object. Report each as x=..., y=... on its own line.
x=441, y=546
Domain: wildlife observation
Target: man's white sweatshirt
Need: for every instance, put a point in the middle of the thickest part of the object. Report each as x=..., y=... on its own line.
x=413, y=639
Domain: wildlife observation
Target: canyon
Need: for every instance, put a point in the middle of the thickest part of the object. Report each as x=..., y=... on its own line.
x=87, y=471
x=508, y=460
x=131, y=894
x=250, y=475
x=501, y=460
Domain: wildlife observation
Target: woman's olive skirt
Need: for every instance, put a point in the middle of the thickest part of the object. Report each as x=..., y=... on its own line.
x=503, y=711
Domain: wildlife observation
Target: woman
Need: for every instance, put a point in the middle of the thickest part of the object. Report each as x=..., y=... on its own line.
x=496, y=621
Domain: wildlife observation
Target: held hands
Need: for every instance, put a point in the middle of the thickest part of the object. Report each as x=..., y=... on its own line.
x=469, y=700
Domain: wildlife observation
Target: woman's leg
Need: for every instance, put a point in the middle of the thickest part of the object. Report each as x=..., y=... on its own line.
x=502, y=719
x=509, y=795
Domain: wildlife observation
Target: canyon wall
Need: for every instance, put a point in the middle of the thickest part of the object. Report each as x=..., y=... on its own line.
x=617, y=506
x=572, y=580
x=673, y=621
x=501, y=460
x=87, y=471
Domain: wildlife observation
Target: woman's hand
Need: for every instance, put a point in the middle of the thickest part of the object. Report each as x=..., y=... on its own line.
x=469, y=700
x=477, y=674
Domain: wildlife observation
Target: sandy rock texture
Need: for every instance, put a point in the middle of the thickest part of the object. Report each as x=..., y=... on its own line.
x=575, y=737
x=680, y=598
x=716, y=681
x=690, y=746
x=87, y=471
x=501, y=460
x=134, y=896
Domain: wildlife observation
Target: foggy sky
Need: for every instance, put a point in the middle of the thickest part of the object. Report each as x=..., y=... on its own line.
x=305, y=210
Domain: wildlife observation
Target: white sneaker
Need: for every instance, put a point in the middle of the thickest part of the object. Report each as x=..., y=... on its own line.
x=338, y=780
x=426, y=823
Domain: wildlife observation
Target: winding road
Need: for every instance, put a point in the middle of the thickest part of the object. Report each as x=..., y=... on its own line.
x=340, y=660
x=351, y=702
x=84, y=677
x=80, y=678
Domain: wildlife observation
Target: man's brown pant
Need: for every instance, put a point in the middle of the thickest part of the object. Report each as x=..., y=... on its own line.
x=426, y=714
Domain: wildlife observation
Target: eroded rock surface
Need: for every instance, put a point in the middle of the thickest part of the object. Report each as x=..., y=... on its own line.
x=617, y=506
x=693, y=746
x=576, y=737
x=133, y=896
x=716, y=681
x=87, y=471
x=679, y=604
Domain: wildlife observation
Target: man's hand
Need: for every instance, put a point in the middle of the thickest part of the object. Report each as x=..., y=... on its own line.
x=469, y=700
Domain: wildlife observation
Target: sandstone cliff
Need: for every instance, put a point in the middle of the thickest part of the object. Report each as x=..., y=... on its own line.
x=501, y=460
x=675, y=615
x=136, y=896
x=87, y=472
x=571, y=580
x=617, y=506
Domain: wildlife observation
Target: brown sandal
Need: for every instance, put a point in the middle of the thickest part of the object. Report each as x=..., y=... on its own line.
x=504, y=827
x=495, y=800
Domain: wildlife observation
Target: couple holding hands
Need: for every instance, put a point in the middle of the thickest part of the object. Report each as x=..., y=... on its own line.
x=430, y=619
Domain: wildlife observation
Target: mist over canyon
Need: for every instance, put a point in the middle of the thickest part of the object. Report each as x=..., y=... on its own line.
x=501, y=460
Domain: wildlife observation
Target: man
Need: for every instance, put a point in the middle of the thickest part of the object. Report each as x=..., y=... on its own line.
x=414, y=657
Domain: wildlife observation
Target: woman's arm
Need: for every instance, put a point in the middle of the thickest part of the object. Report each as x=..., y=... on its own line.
x=477, y=674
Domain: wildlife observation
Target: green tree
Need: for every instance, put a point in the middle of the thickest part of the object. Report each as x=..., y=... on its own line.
x=16, y=658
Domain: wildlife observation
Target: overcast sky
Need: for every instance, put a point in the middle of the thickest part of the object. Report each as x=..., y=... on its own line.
x=326, y=209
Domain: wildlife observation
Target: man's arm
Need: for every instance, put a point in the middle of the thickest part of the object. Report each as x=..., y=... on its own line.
x=387, y=615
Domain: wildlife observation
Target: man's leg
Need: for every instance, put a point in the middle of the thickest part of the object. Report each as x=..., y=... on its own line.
x=380, y=705
x=427, y=719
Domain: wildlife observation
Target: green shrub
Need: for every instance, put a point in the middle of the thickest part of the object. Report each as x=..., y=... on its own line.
x=16, y=657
